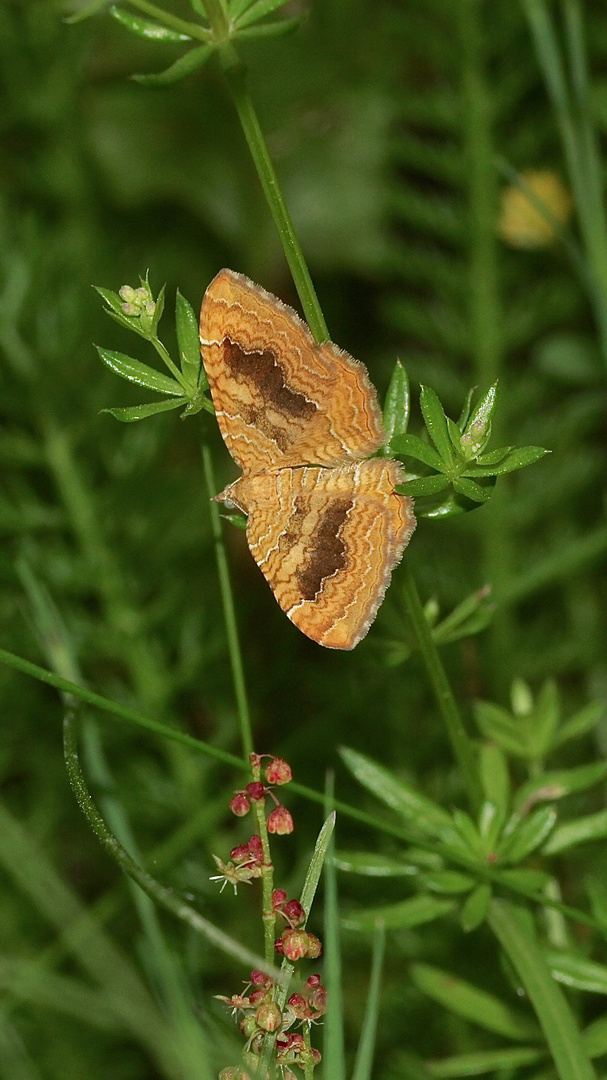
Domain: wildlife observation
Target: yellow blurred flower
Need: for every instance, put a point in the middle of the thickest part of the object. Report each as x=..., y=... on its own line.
x=521, y=222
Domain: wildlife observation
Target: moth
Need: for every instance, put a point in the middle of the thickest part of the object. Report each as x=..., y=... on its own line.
x=325, y=525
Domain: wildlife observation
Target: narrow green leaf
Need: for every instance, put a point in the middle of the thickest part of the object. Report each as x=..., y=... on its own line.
x=497, y=725
x=495, y=777
x=145, y=28
x=87, y=11
x=408, y=913
x=274, y=29
x=136, y=372
x=413, y=446
x=183, y=67
x=447, y=881
x=415, y=808
x=112, y=299
x=188, y=341
x=528, y=880
x=369, y=864
x=363, y=1065
x=546, y=716
x=583, y=721
x=490, y=824
x=597, y=895
x=484, y=1061
x=477, y=1006
x=319, y=855
x=159, y=304
x=473, y=614
x=528, y=835
x=554, y=1014
x=595, y=1037
x=581, y=831
x=471, y=490
x=258, y=10
x=436, y=423
x=426, y=485
x=478, y=428
x=469, y=834
x=237, y=7
x=474, y=910
x=561, y=782
x=397, y=405
x=494, y=456
x=129, y=413
x=239, y=521
x=516, y=459
x=455, y=435
x=573, y=970
x=467, y=409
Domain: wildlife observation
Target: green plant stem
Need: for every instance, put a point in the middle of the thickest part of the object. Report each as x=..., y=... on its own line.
x=236, y=79
x=515, y=935
x=168, y=898
x=460, y=742
x=229, y=613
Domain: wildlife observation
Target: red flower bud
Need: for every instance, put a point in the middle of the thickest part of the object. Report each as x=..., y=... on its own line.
x=313, y=981
x=256, y=791
x=278, y=772
x=259, y=978
x=239, y=804
x=299, y=1006
x=294, y=913
x=255, y=847
x=258, y=995
x=280, y=821
x=240, y=854
x=279, y=897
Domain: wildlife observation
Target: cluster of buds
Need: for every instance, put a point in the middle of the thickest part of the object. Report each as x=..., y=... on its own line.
x=277, y=772
x=137, y=302
x=261, y=1015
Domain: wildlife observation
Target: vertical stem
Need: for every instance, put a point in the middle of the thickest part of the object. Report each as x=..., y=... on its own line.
x=229, y=614
x=462, y=745
x=484, y=308
x=236, y=79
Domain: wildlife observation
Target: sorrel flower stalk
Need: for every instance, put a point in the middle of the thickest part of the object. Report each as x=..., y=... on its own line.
x=265, y=1016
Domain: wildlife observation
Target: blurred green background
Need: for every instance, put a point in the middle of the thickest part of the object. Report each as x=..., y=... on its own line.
x=388, y=123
